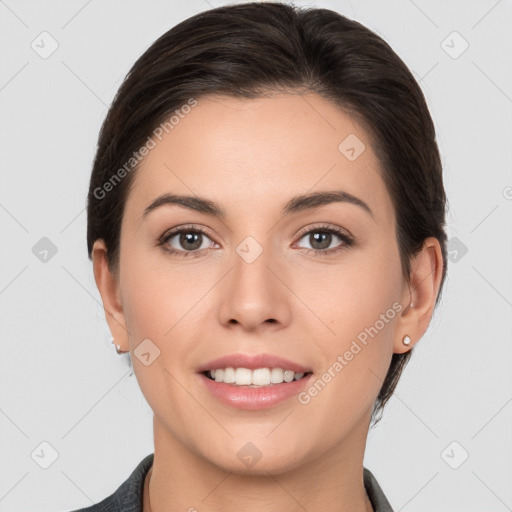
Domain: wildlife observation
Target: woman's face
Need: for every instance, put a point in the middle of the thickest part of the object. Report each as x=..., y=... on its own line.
x=270, y=276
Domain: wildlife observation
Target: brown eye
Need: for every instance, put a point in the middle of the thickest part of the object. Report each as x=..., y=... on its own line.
x=185, y=241
x=190, y=241
x=321, y=240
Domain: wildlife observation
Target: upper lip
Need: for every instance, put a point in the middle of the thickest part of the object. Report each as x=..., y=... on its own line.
x=252, y=362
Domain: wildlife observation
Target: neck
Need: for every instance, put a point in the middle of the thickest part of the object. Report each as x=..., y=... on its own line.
x=181, y=480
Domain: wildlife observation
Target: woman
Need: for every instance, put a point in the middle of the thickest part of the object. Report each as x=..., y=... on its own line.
x=266, y=224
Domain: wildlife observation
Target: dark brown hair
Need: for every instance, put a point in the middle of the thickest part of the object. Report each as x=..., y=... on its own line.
x=255, y=49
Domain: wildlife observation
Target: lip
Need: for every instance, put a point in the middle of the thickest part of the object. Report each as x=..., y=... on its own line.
x=252, y=362
x=253, y=399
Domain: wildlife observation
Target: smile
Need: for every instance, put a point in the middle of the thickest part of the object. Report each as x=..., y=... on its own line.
x=259, y=377
x=241, y=394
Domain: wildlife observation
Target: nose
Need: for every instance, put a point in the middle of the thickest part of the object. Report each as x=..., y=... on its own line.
x=254, y=295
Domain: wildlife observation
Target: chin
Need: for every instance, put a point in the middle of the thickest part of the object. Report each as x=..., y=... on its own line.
x=248, y=459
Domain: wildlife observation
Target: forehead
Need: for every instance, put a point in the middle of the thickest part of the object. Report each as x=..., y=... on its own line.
x=249, y=152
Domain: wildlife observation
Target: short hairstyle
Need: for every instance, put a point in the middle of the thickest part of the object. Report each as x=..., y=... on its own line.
x=256, y=49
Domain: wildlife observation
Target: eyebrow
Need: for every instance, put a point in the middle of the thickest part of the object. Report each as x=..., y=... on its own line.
x=294, y=205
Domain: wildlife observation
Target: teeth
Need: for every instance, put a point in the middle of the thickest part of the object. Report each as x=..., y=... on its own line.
x=254, y=378
x=243, y=377
x=288, y=375
x=229, y=376
x=276, y=376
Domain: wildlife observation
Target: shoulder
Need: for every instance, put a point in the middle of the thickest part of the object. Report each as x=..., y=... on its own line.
x=128, y=496
x=379, y=501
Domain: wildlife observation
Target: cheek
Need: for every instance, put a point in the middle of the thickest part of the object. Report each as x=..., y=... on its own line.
x=148, y=311
x=156, y=294
x=359, y=302
x=155, y=303
x=351, y=296
x=361, y=310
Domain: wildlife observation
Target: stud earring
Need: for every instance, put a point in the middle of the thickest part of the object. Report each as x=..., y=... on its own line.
x=406, y=340
x=118, y=348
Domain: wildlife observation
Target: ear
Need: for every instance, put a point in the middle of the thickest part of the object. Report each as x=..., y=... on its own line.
x=419, y=295
x=108, y=286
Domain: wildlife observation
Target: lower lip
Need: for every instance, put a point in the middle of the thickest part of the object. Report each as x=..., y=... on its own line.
x=243, y=397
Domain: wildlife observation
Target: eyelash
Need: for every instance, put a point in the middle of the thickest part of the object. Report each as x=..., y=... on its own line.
x=347, y=240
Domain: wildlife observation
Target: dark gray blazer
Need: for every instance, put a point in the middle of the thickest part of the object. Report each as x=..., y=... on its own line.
x=128, y=497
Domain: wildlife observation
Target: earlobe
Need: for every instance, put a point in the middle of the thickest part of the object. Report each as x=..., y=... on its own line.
x=108, y=286
x=420, y=295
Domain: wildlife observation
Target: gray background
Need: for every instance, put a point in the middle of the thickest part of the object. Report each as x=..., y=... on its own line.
x=61, y=380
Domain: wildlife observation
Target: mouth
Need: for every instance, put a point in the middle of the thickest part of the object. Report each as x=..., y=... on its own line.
x=254, y=378
x=253, y=381
x=253, y=389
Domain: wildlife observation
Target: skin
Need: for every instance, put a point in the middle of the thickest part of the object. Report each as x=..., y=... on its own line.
x=251, y=157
